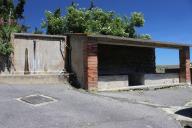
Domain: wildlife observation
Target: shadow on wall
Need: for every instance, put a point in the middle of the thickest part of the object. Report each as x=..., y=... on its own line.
x=5, y=63
x=62, y=49
x=67, y=58
x=26, y=70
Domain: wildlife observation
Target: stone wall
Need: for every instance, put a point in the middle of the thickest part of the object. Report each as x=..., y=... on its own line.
x=114, y=59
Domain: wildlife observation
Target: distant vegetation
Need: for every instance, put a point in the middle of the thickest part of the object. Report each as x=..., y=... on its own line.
x=93, y=20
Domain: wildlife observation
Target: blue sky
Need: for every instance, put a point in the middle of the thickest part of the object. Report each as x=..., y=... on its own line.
x=166, y=20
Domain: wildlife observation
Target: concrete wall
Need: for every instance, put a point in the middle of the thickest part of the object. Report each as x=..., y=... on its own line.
x=114, y=59
x=112, y=82
x=115, y=82
x=33, y=79
x=77, y=58
x=161, y=79
x=38, y=54
x=176, y=70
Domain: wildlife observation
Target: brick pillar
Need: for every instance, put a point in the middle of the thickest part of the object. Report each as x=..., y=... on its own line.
x=91, y=71
x=184, y=56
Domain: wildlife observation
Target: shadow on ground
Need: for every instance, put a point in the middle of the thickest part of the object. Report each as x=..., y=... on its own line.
x=185, y=112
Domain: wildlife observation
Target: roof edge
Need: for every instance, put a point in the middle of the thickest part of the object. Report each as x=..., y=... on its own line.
x=37, y=35
x=109, y=37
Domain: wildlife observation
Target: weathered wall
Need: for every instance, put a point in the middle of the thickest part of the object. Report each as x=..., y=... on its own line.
x=115, y=59
x=113, y=82
x=176, y=70
x=33, y=79
x=161, y=79
x=77, y=58
x=38, y=54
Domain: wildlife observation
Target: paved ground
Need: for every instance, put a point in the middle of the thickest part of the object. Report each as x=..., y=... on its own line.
x=79, y=109
x=175, y=96
x=175, y=101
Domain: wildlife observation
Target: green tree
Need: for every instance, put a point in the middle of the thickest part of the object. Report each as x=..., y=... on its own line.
x=10, y=14
x=55, y=23
x=93, y=20
x=9, y=10
x=5, y=37
x=75, y=20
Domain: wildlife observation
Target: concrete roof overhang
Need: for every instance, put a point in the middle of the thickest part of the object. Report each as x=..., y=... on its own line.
x=29, y=35
x=114, y=40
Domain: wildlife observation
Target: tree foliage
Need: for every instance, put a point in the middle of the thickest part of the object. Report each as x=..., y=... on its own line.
x=9, y=16
x=5, y=37
x=55, y=23
x=9, y=10
x=93, y=20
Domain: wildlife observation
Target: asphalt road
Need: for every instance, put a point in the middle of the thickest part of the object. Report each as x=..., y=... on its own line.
x=175, y=96
x=80, y=109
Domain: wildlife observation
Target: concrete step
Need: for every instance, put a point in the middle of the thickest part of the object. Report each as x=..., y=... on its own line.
x=33, y=79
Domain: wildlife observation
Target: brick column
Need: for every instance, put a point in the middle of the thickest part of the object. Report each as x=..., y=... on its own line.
x=91, y=67
x=184, y=56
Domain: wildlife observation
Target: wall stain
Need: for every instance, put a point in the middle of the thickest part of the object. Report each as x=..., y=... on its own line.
x=26, y=70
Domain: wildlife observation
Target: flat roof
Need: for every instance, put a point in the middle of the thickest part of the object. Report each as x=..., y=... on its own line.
x=115, y=40
x=38, y=35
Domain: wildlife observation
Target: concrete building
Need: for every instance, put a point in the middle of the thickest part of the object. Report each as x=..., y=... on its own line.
x=95, y=62
x=107, y=62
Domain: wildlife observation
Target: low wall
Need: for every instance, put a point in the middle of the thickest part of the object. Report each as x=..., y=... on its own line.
x=33, y=79
x=161, y=79
x=116, y=82
x=113, y=82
